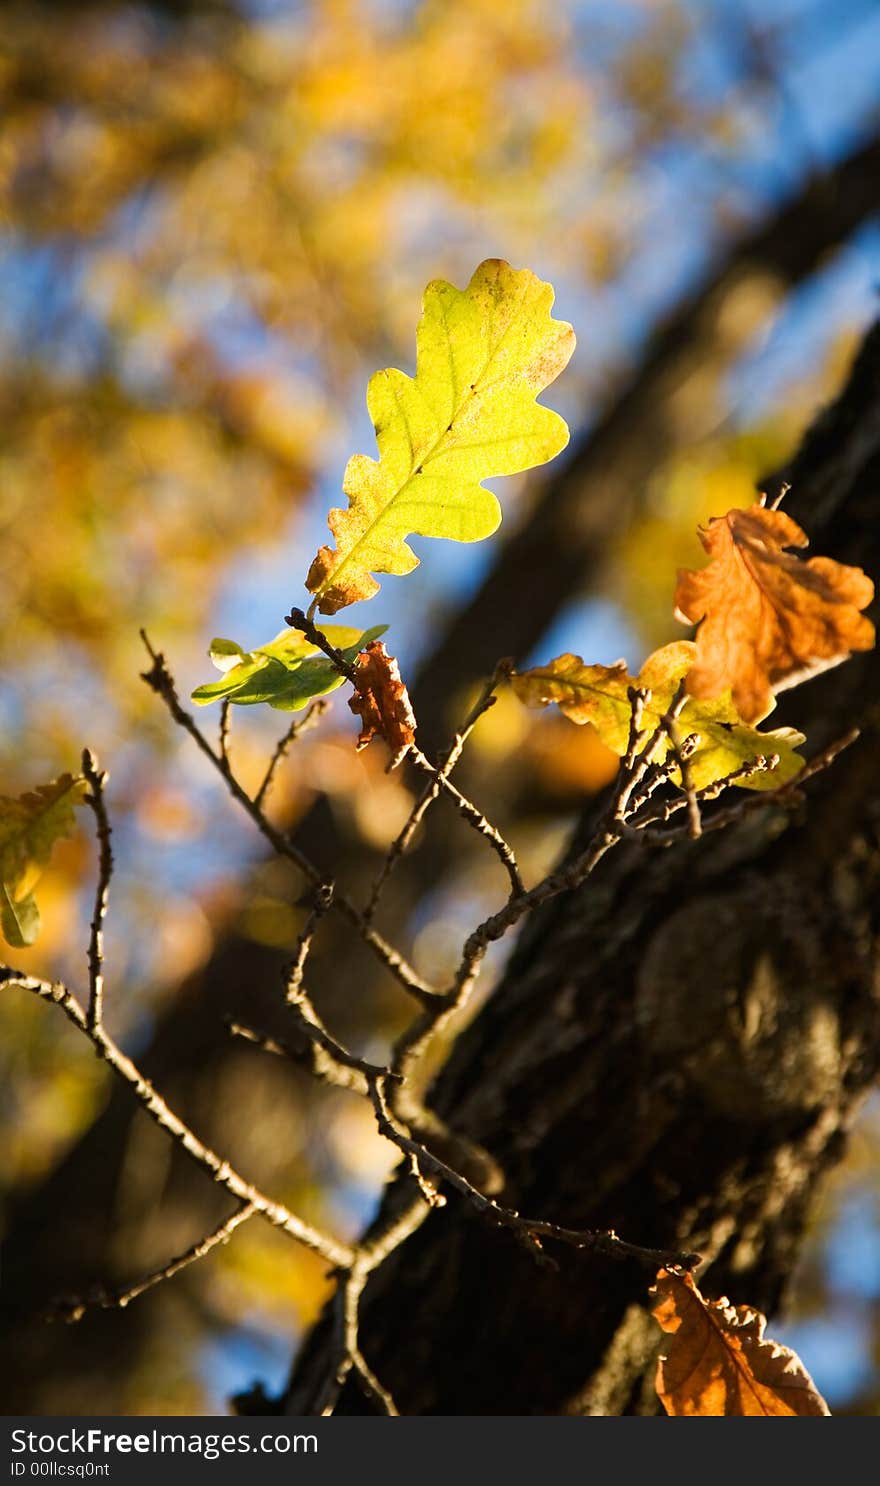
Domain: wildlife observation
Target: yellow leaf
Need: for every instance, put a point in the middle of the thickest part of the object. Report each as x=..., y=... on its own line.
x=483, y=355
x=29, y=828
x=600, y=695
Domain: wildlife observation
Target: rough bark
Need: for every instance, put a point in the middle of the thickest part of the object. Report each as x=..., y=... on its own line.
x=677, y=1051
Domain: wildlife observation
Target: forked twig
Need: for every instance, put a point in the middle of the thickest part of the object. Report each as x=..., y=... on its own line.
x=313, y=712
x=429, y=794
x=215, y=1166
x=159, y=679
x=75, y=1308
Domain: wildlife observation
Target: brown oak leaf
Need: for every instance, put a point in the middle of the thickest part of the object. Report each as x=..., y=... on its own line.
x=767, y=618
x=720, y=1363
x=382, y=702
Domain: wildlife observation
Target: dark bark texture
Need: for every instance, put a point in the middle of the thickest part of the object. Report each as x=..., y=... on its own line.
x=677, y=1051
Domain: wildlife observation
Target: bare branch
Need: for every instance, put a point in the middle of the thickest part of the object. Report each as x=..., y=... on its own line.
x=75, y=1308
x=786, y=796
x=304, y=623
x=321, y=902
x=95, y=798
x=159, y=679
x=605, y=1242
x=223, y=738
x=314, y=711
x=439, y=776
x=336, y=1253
x=341, y=1069
x=475, y=818
x=431, y=791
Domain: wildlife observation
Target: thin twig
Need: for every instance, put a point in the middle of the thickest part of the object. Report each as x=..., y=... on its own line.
x=74, y=1309
x=96, y=779
x=223, y=731
x=681, y=752
x=786, y=795
x=602, y=1241
x=314, y=710
x=466, y=808
x=392, y=1231
x=349, y=1357
x=612, y=828
x=333, y=1250
x=302, y=622
x=322, y=901
x=352, y=1290
x=159, y=679
x=327, y=1059
x=414, y=1041
x=475, y=818
x=639, y=697
x=297, y=998
x=446, y=764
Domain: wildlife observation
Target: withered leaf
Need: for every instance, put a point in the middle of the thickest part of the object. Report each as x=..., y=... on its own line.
x=600, y=695
x=382, y=702
x=767, y=618
x=720, y=1363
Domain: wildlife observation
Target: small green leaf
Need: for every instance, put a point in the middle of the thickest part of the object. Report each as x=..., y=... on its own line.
x=225, y=654
x=286, y=674
x=29, y=828
x=599, y=695
x=20, y=921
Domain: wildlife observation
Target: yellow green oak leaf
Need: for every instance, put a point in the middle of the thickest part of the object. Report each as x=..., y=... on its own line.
x=482, y=356
x=287, y=673
x=600, y=695
x=29, y=828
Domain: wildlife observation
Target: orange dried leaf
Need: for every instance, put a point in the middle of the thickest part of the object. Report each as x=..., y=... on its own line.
x=767, y=618
x=720, y=1363
x=382, y=702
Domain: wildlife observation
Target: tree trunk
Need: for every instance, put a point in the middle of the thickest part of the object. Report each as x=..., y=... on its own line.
x=676, y=1051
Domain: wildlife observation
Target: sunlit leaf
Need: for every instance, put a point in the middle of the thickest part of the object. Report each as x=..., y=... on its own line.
x=600, y=695
x=29, y=828
x=287, y=673
x=719, y=1362
x=767, y=618
x=483, y=355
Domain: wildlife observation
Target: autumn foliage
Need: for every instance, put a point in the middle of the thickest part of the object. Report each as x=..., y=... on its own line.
x=767, y=618
x=683, y=726
x=483, y=355
x=718, y=1361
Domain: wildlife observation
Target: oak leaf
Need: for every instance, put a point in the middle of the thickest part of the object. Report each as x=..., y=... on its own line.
x=382, y=702
x=767, y=618
x=719, y=1361
x=600, y=695
x=287, y=673
x=483, y=355
x=29, y=828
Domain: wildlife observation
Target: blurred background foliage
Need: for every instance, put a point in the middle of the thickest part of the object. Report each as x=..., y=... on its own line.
x=215, y=221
